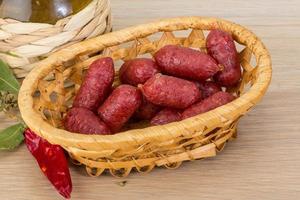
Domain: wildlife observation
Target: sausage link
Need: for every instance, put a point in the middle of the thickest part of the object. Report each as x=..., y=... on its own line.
x=137, y=71
x=208, y=88
x=120, y=106
x=147, y=110
x=166, y=116
x=82, y=120
x=210, y=103
x=221, y=47
x=168, y=91
x=186, y=63
x=96, y=85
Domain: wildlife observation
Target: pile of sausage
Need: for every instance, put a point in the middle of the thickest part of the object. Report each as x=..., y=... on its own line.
x=177, y=84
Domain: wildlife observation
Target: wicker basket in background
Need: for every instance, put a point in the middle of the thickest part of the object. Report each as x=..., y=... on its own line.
x=44, y=102
x=22, y=43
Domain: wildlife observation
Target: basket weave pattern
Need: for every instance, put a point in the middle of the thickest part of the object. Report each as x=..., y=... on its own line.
x=47, y=93
x=22, y=44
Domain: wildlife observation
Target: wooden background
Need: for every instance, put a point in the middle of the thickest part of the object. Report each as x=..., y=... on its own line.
x=263, y=163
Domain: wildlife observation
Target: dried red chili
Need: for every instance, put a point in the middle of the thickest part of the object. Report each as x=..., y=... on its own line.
x=52, y=161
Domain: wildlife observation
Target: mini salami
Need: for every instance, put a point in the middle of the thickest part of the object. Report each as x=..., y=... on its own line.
x=137, y=71
x=186, y=63
x=96, y=85
x=221, y=47
x=208, y=88
x=82, y=120
x=168, y=91
x=147, y=110
x=120, y=106
x=166, y=116
x=210, y=103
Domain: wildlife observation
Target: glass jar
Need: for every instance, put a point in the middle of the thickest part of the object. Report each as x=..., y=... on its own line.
x=42, y=11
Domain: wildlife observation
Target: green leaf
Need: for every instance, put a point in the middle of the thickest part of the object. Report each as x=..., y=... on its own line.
x=8, y=82
x=11, y=137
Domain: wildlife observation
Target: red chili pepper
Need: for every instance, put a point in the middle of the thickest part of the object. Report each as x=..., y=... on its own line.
x=52, y=161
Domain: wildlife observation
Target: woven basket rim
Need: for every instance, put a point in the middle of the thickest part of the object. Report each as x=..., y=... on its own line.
x=65, y=138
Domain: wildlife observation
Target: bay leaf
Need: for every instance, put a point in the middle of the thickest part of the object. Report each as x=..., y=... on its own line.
x=11, y=137
x=8, y=82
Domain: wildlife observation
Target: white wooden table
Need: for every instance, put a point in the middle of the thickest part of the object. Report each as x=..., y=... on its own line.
x=263, y=163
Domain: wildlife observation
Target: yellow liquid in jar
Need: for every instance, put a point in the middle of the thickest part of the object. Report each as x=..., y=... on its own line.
x=42, y=11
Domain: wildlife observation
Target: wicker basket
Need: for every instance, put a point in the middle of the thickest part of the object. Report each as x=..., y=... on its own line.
x=48, y=90
x=22, y=44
